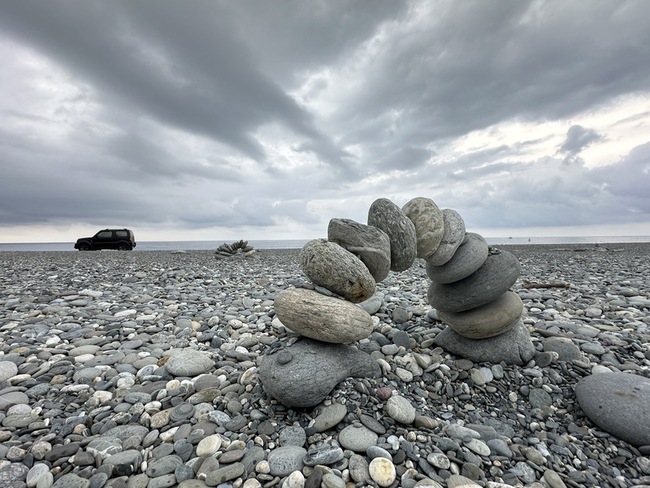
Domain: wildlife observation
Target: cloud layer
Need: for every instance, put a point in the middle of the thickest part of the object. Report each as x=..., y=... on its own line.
x=266, y=119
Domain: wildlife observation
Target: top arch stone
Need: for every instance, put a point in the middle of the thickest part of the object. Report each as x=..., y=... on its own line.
x=387, y=216
x=429, y=224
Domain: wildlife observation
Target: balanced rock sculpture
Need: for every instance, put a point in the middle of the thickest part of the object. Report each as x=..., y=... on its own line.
x=470, y=288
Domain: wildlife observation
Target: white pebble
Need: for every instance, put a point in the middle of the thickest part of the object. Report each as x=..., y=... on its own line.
x=382, y=471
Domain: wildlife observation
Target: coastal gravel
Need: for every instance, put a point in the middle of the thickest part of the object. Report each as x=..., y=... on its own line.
x=139, y=369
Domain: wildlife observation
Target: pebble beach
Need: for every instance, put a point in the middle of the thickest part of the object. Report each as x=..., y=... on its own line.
x=140, y=370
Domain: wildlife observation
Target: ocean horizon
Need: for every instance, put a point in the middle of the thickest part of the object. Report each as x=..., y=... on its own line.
x=208, y=245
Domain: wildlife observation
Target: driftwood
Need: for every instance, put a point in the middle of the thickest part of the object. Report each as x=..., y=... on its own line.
x=551, y=284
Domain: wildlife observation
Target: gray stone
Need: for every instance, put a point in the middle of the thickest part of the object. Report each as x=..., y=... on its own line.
x=164, y=465
x=357, y=438
x=11, y=474
x=225, y=473
x=400, y=409
x=368, y=242
x=331, y=266
x=124, y=463
x=372, y=304
x=498, y=273
x=538, y=397
x=292, y=435
x=13, y=398
x=513, y=346
x=618, y=404
x=324, y=454
x=387, y=216
x=284, y=460
x=429, y=224
x=303, y=374
x=70, y=480
x=7, y=370
x=564, y=347
x=454, y=234
x=488, y=320
x=188, y=362
x=468, y=258
x=323, y=318
x=329, y=417
x=359, y=471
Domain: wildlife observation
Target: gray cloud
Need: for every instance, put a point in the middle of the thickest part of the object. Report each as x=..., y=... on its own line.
x=262, y=115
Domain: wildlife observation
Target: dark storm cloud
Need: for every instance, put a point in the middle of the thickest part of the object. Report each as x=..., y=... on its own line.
x=578, y=138
x=207, y=113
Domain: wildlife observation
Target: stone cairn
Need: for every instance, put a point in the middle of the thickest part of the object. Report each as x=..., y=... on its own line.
x=469, y=288
x=239, y=248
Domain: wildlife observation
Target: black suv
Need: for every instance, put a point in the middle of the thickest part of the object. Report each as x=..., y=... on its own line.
x=122, y=239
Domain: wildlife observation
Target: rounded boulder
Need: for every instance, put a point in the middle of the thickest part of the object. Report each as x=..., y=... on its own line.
x=388, y=217
x=498, y=273
x=429, y=224
x=331, y=266
x=452, y=238
x=488, y=320
x=317, y=316
x=469, y=257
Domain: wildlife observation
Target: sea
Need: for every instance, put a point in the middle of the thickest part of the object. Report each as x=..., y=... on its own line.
x=299, y=243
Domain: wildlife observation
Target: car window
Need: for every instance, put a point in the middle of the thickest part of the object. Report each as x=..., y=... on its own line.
x=106, y=234
x=121, y=233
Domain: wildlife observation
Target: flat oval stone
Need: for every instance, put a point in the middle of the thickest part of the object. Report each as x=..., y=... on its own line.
x=487, y=320
x=325, y=455
x=498, y=273
x=331, y=266
x=618, y=404
x=329, y=417
x=400, y=409
x=369, y=243
x=429, y=224
x=188, y=362
x=382, y=471
x=387, y=216
x=317, y=316
x=452, y=238
x=286, y=459
x=469, y=257
x=357, y=438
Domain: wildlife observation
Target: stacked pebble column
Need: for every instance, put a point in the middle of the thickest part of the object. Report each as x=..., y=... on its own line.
x=469, y=289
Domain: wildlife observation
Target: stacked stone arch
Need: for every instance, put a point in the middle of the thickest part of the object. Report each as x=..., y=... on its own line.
x=469, y=288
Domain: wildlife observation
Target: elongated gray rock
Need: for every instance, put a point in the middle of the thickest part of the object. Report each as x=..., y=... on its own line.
x=452, y=238
x=513, y=346
x=487, y=320
x=303, y=374
x=618, y=404
x=331, y=266
x=469, y=257
x=317, y=316
x=369, y=243
x=387, y=216
x=429, y=224
x=498, y=273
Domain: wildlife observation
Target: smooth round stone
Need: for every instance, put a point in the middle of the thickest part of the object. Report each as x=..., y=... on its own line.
x=329, y=417
x=324, y=455
x=312, y=314
x=513, y=346
x=400, y=409
x=452, y=238
x=292, y=435
x=489, y=320
x=13, y=398
x=618, y=404
x=164, y=465
x=372, y=304
x=331, y=266
x=438, y=460
x=498, y=273
x=286, y=459
x=188, y=362
x=382, y=471
x=357, y=438
x=387, y=216
x=39, y=475
x=208, y=445
x=294, y=480
x=458, y=481
x=8, y=369
x=538, y=398
x=429, y=224
x=468, y=258
x=369, y=243
x=376, y=451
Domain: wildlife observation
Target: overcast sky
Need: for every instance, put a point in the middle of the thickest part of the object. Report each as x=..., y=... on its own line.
x=265, y=119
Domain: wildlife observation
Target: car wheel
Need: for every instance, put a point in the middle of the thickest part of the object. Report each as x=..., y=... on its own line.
x=84, y=247
x=124, y=247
